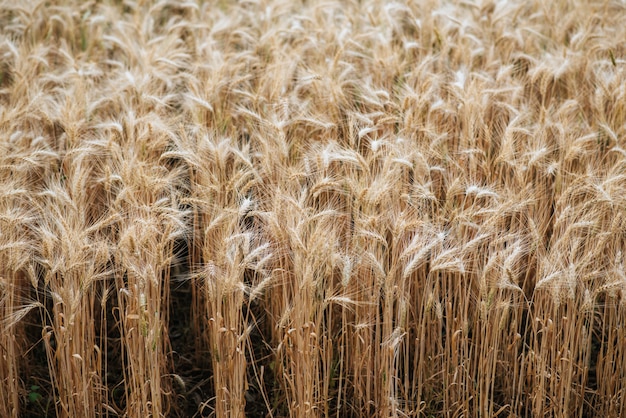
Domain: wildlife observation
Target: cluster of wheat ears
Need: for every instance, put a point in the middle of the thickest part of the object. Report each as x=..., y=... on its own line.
x=306, y=209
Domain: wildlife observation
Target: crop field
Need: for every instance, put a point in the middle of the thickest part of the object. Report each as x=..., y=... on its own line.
x=275, y=208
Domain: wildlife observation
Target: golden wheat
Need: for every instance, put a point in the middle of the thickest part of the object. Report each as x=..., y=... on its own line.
x=269, y=208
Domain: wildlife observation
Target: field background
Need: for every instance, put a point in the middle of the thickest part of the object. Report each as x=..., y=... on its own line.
x=312, y=209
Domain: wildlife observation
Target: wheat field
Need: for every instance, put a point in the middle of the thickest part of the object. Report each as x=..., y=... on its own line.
x=274, y=208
